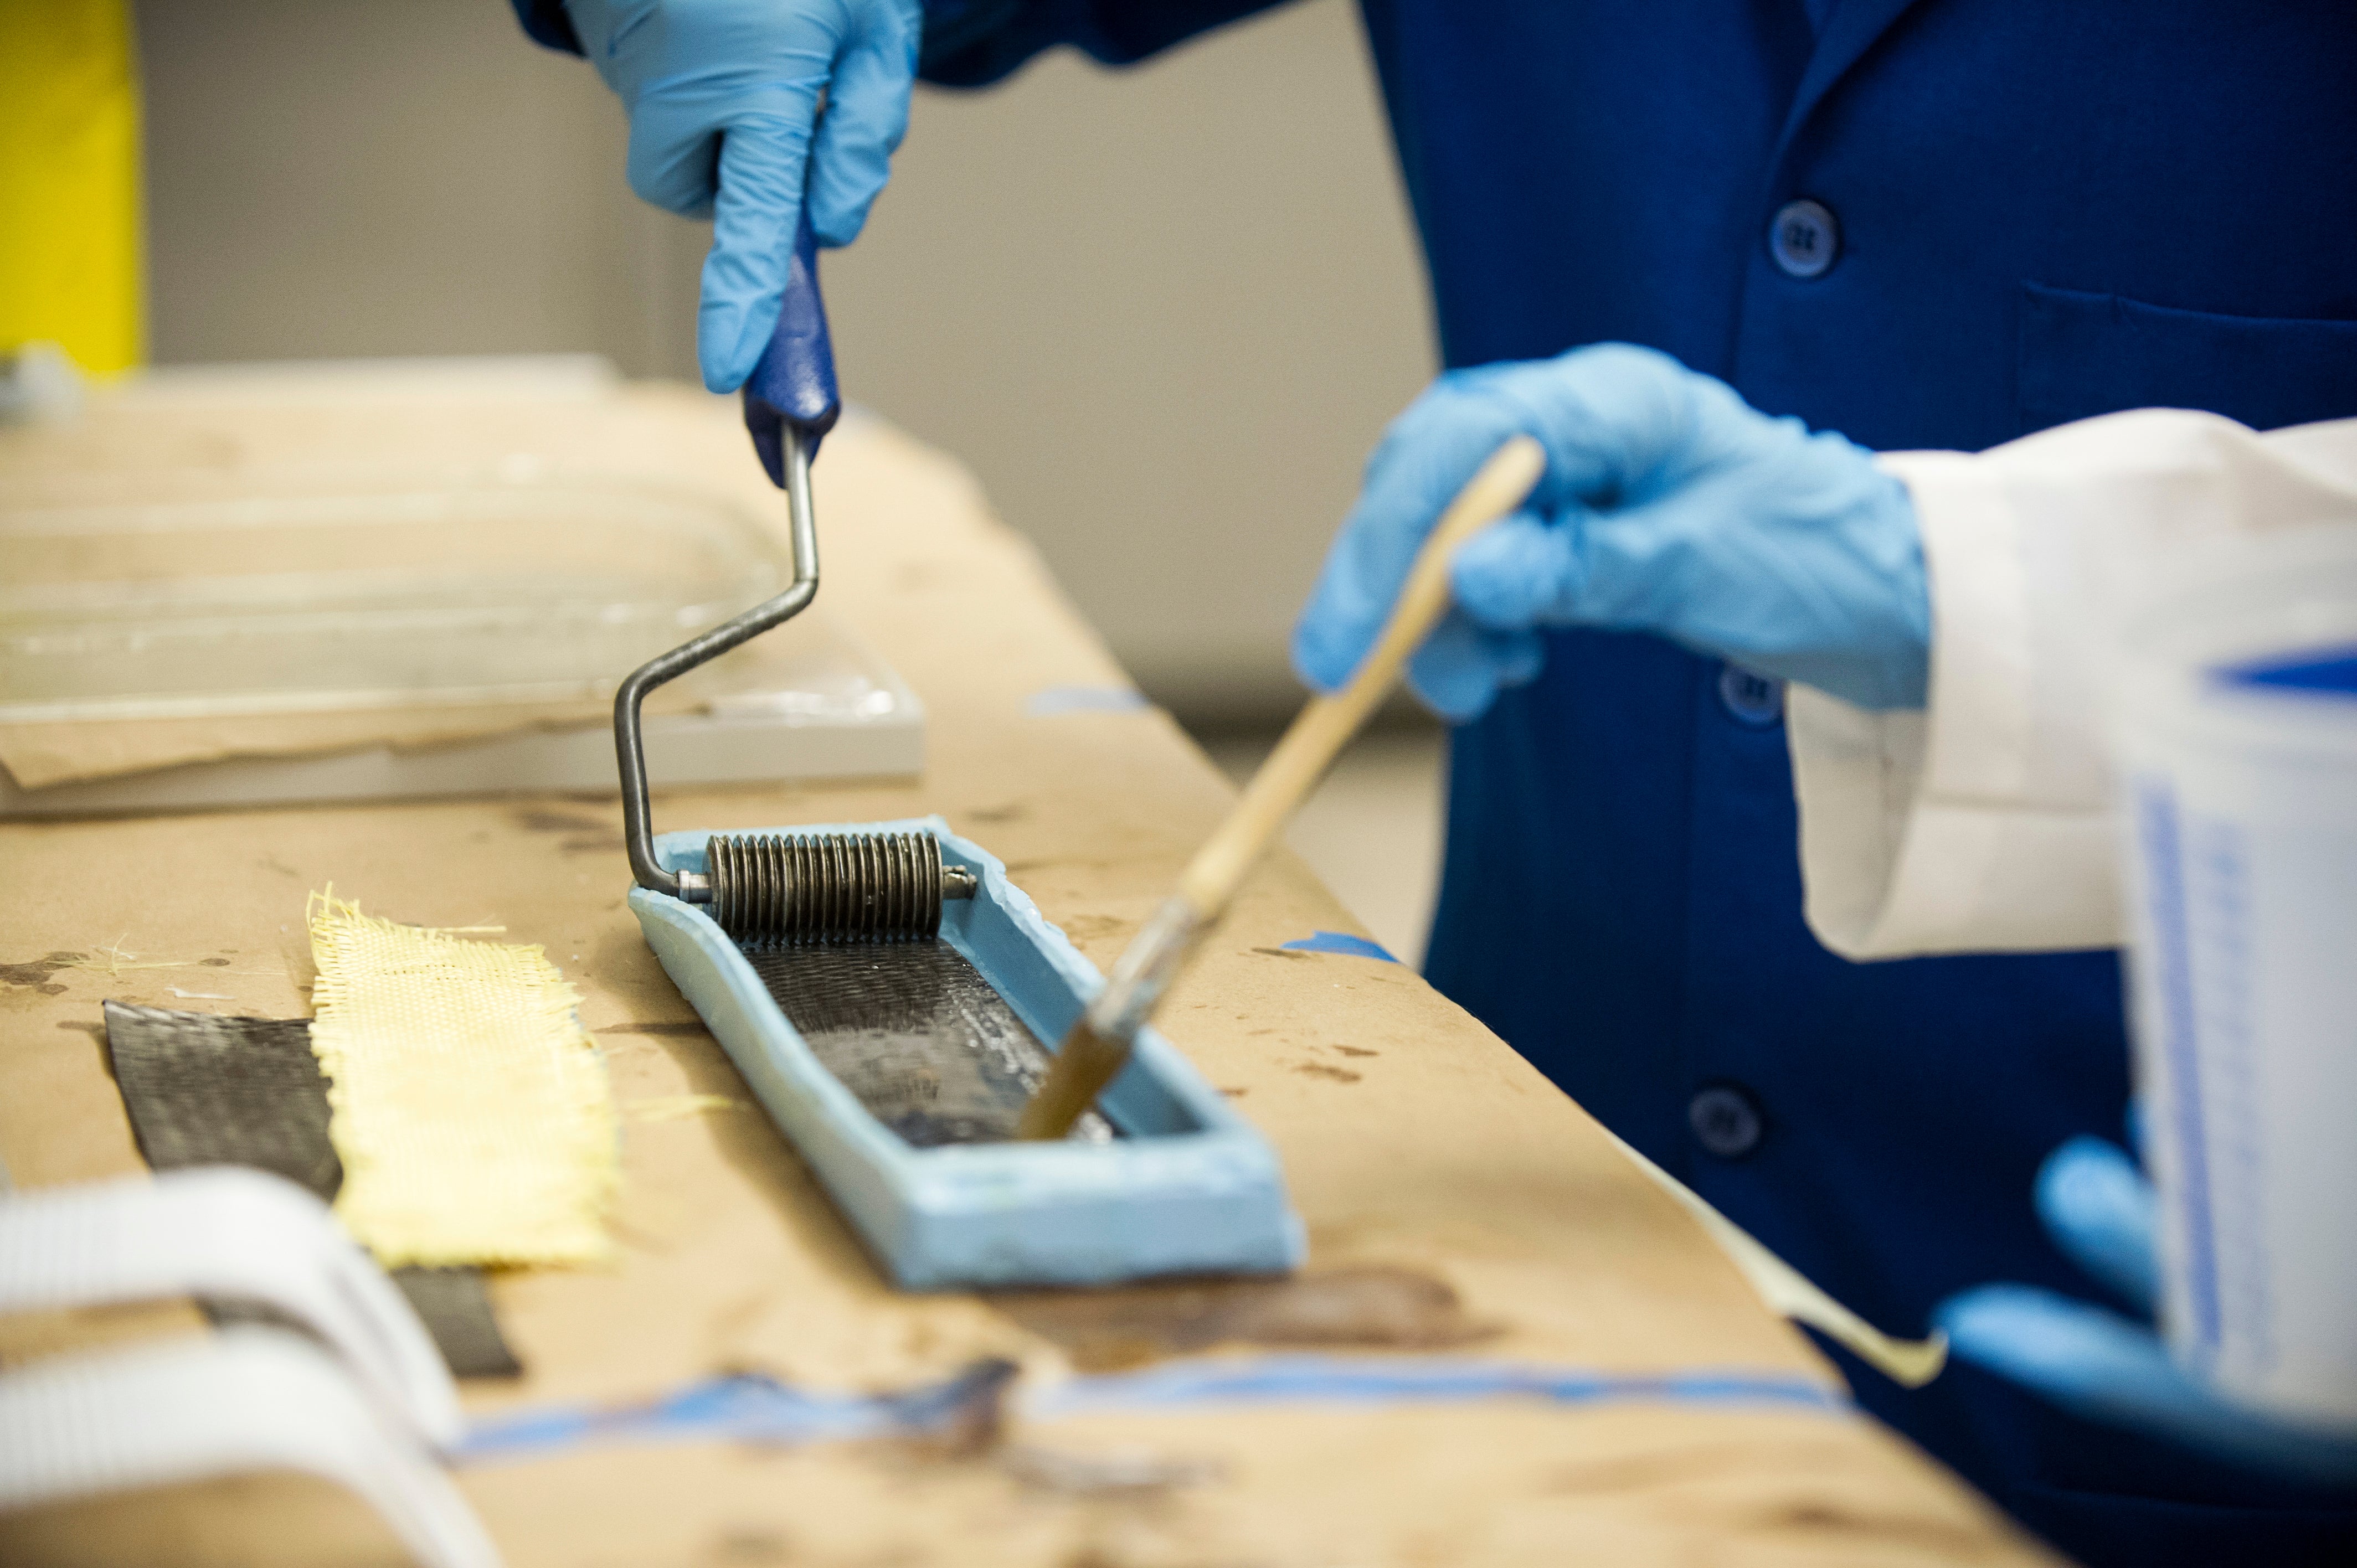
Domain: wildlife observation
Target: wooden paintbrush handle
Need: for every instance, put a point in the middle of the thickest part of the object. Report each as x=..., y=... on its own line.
x=1322, y=728
x=1092, y=1054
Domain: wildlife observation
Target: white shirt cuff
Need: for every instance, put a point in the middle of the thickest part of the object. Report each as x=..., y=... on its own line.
x=1932, y=832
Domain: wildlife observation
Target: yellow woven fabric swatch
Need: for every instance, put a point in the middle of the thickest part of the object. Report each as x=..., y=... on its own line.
x=469, y=1108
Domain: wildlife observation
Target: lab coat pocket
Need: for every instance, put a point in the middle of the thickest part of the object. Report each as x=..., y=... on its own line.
x=2085, y=354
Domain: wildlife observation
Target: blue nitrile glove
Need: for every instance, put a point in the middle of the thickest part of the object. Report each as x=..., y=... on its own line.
x=2097, y=1364
x=721, y=96
x=1668, y=506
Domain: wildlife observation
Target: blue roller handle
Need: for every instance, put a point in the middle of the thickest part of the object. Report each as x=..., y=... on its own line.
x=793, y=382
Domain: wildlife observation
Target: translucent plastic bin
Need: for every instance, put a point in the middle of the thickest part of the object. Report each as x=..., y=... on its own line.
x=244, y=594
x=235, y=623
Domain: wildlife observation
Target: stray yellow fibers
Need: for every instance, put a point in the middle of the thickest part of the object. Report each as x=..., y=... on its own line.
x=679, y=1107
x=471, y=1111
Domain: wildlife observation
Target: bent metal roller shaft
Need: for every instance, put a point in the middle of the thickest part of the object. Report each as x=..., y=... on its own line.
x=1099, y=1045
x=795, y=888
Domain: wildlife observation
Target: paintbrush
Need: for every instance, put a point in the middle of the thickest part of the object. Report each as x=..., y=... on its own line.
x=1099, y=1044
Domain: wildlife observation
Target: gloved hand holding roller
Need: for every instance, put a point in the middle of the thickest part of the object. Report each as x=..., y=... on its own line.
x=726, y=98
x=1095, y=1051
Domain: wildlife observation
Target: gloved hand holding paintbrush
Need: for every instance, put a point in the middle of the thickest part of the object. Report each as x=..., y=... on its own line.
x=1099, y=1045
x=1670, y=507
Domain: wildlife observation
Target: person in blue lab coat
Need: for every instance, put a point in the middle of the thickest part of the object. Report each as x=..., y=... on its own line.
x=1936, y=224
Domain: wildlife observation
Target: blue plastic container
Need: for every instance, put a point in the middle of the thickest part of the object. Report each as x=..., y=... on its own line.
x=1189, y=1188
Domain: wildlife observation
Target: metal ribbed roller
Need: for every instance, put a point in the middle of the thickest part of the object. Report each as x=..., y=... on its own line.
x=799, y=890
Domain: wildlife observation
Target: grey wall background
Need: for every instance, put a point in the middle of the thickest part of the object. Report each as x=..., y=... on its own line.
x=1164, y=312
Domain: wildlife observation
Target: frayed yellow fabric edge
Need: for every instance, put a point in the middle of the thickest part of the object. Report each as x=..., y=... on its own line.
x=470, y=1109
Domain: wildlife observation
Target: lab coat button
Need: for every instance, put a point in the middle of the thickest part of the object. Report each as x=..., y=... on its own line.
x=1804, y=239
x=1726, y=1119
x=1751, y=699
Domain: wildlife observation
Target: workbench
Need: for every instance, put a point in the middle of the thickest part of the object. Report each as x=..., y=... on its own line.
x=1494, y=1219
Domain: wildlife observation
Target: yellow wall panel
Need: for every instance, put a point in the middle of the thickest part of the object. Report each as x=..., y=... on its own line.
x=71, y=267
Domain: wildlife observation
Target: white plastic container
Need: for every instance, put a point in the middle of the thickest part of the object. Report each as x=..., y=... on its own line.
x=2238, y=752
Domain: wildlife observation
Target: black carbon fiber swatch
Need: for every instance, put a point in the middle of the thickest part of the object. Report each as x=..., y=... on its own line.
x=916, y=1033
x=203, y=1090
x=209, y=1090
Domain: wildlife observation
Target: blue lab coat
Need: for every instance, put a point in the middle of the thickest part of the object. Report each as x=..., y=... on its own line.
x=2037, y=213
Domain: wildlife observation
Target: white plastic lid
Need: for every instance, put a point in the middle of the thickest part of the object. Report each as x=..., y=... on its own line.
x=2253, y=643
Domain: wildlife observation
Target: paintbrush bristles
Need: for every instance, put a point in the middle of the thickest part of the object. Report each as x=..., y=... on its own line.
x=1084, y=1064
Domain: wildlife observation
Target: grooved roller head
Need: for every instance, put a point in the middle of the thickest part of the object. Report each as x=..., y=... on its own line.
x=793, y=889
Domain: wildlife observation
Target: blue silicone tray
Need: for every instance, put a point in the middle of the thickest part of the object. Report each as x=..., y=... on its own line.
x=1189, y=1188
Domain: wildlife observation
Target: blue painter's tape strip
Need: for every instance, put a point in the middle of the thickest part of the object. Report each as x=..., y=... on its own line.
x=1340, y=942
x=754, y=1409
x=1053, y=701
x=744, y=1407
x=1335, y=1379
